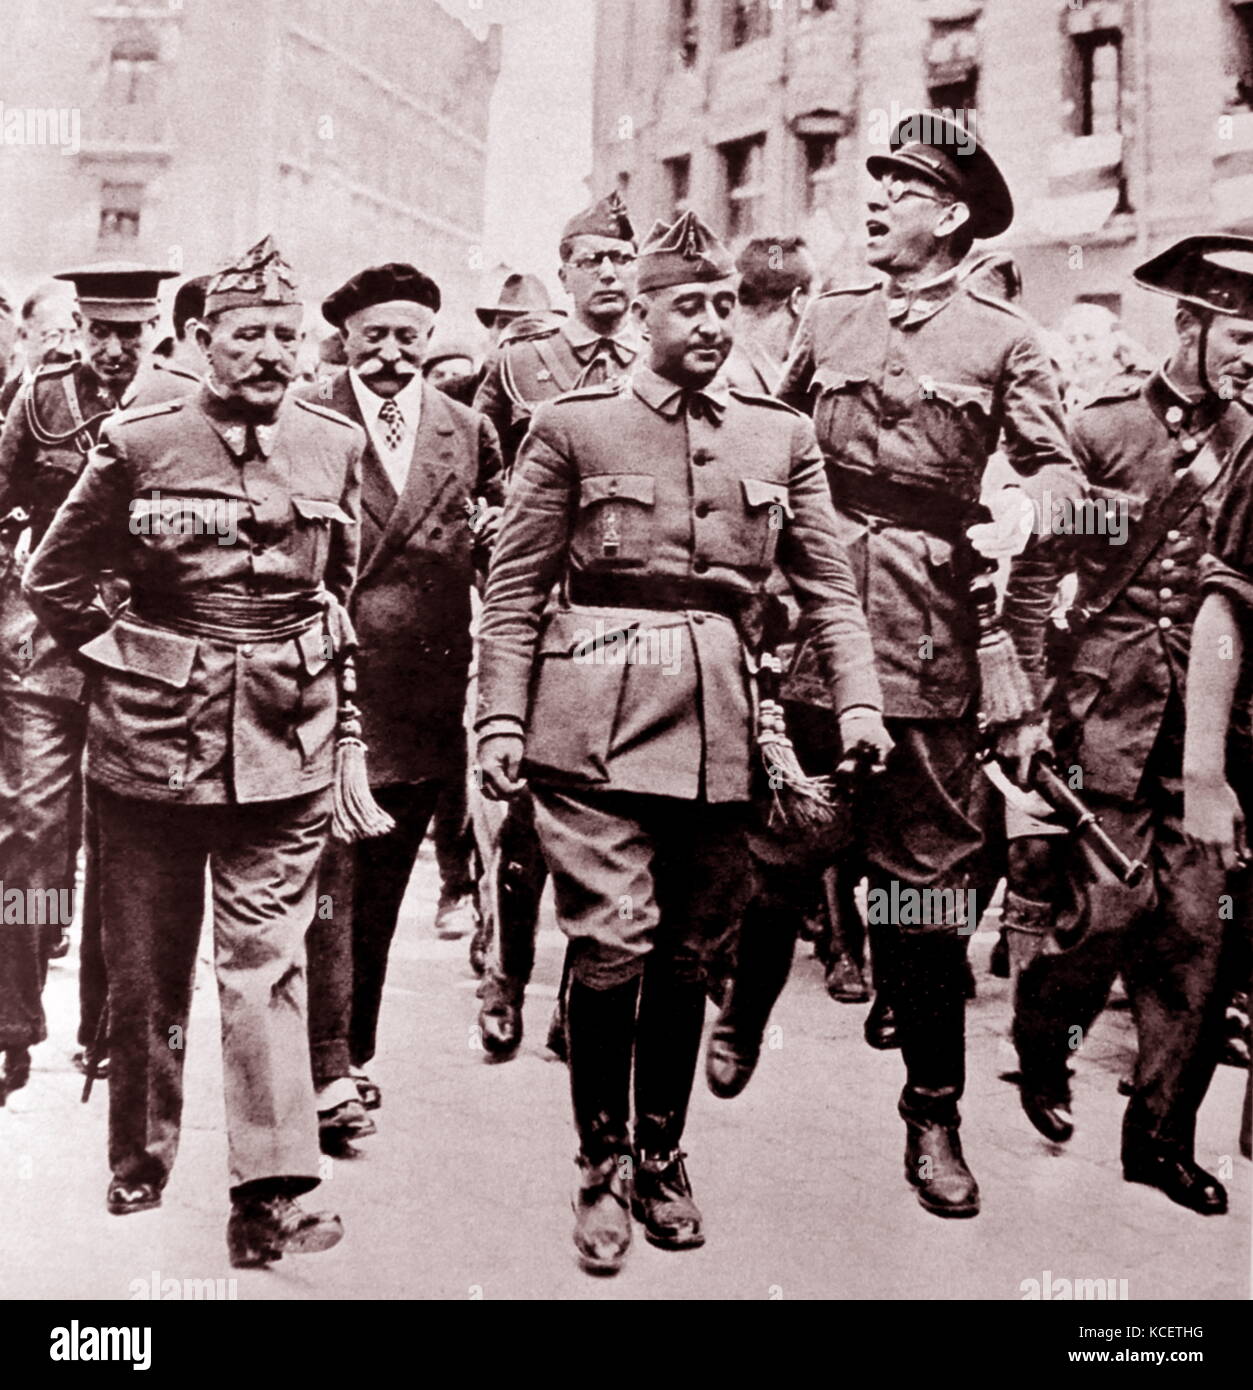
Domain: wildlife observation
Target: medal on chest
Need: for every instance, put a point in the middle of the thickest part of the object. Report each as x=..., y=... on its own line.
x=610, y=533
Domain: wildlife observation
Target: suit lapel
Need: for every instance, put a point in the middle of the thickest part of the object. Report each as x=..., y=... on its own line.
x=378, y=496
x=432, y=470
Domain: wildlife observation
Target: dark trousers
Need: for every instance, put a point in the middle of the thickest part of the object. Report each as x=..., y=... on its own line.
x=92, y=985
x=453, y=838
x=360, y=891
x=41, y=749
x=520, y=878
x=262, y=860
x=1165, y=936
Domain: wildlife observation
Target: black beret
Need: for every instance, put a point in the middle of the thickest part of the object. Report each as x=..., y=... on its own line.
x=380, y=284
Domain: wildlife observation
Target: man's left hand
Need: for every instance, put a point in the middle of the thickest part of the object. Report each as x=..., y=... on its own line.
x=1018, y=746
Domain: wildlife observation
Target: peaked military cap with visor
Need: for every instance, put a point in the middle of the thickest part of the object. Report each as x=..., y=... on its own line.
x=1210, y=271
x=118, y=291
x=945, y=153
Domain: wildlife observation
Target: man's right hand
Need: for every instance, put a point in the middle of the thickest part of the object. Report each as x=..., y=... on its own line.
x=500, y=758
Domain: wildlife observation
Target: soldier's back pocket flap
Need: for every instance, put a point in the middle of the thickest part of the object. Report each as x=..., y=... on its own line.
x=758, y=493
x=603, y=487
x=319, y=509
x=155, y=655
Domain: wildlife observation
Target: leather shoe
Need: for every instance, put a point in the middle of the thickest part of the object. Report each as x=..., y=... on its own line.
x=727, y=1070
x=846, y=983
x=556, y=1040
x=125, y=1197
x=880, y=1026
x=662, y=1201
x=500, y=1016
x=936, y=1168
x=1048, y=1109
x=1178, y=1176
x=263, y=1230
x=455, y=917
x=368, y=1091
x=339, y=1126
x=602, y=1221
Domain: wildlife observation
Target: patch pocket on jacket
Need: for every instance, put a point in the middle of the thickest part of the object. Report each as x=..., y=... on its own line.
x=767, y=509
x=835, y=395
x=315, y=713
x=615, y=525
x=315, y=516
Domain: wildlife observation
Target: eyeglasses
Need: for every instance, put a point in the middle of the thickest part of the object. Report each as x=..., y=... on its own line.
x=618, y=259
x=895, y=189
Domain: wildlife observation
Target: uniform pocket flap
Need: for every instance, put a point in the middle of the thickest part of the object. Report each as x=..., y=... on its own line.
x=579, y=634
x=315, y=649
x=154, y=655
x=758, y=493
x=829, y=379
x=958, y=393
x=319, y=509
x=635, y=487
x=1111, y=501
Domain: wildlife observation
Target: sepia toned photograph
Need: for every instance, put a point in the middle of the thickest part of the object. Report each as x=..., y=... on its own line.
x=626, y=667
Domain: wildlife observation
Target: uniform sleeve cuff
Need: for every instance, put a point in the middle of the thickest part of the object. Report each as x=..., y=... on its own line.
x=500, y=724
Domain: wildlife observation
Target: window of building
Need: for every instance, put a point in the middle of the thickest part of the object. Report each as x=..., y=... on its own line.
x=743, y=174
x=686, y=32
x=132, y=73
x=952, y=65
x=813, y=7
x=1241, y=59
x=820, y=153
x=679, y=180
x=1099, y=108
x=120, y=207
x=743, y=21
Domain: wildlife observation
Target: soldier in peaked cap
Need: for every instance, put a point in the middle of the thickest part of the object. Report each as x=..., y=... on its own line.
x=233, y=515
x=1170, y=457
x=535, y=362
x=643, y=524
x=910, y=381
x=52, y=424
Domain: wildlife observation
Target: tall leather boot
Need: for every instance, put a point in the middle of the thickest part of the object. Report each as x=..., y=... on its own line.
x=930, y=1003
x=846, y=939
x=600, y=1028
x=520, y=885
x=879, y=1028
x=667, y=1047
x=763, y=959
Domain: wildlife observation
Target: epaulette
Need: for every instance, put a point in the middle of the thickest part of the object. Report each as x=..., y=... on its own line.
x=851, y=289
x=583, y=393
x=1120, y=388
x=146, y=412
x=527, y=329
x=756, y=398
x=997, y=302
x=324, y=411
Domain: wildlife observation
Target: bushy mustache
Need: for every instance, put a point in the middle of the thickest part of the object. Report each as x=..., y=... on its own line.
x=374, y=366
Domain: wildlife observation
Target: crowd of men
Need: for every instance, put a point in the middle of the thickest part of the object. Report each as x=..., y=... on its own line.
x=685, y=599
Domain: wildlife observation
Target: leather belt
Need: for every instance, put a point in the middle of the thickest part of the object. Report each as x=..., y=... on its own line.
x=669, y=595
x=903, y=504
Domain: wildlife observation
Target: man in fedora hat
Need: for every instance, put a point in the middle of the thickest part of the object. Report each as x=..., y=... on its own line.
x=651, y=514
x=1159, y=455
x=52, y=425
x=911, y=379
x=212, y=724
x=521, y=296
x=599, y=345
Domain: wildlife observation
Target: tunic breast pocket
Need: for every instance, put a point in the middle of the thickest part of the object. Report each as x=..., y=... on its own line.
x=615, y=523
x=314, y=519
x=961, y=416
x=838, y=397
x=766, y=511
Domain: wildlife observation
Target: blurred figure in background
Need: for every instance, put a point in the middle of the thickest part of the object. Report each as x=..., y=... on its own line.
x=50, y=332
x=777, y=274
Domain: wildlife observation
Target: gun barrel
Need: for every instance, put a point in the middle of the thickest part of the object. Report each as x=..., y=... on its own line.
x=1061, y=798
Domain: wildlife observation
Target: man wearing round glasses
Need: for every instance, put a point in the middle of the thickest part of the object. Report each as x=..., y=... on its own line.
x=911, y=381
x=597, y=345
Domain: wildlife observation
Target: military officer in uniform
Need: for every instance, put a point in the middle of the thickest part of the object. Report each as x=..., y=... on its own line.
x=642, y=526
x=430, y=465
x=534, y=362
x=50, y=428
x=213, y=703
x=1156, y=454
x=910, y=381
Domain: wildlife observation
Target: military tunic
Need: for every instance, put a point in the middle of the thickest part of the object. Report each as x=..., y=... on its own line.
x=212, y=715
x=661, y=514
x=1118, y=720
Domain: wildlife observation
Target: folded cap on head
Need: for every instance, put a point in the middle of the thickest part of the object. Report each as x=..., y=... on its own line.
x=117, y=291
x=259, y=277
x=684, y=252
x=381, y=284
x=1212, y=271
x=607, y=217
x=942, y=151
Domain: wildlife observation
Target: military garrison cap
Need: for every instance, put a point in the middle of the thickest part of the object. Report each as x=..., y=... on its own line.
x=929, y=145
x=683, y=252
x=1211, y=271
x=381, y=284
x=117, y=291
x=260, y=276
x=608, y=217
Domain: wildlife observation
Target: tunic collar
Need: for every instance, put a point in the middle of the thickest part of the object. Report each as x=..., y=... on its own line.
x=669, y=399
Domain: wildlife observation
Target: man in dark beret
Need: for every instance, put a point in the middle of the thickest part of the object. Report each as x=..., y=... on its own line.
x=430, y=501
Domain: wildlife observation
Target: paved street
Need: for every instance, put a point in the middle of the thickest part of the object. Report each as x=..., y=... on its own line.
x=465, y=1190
